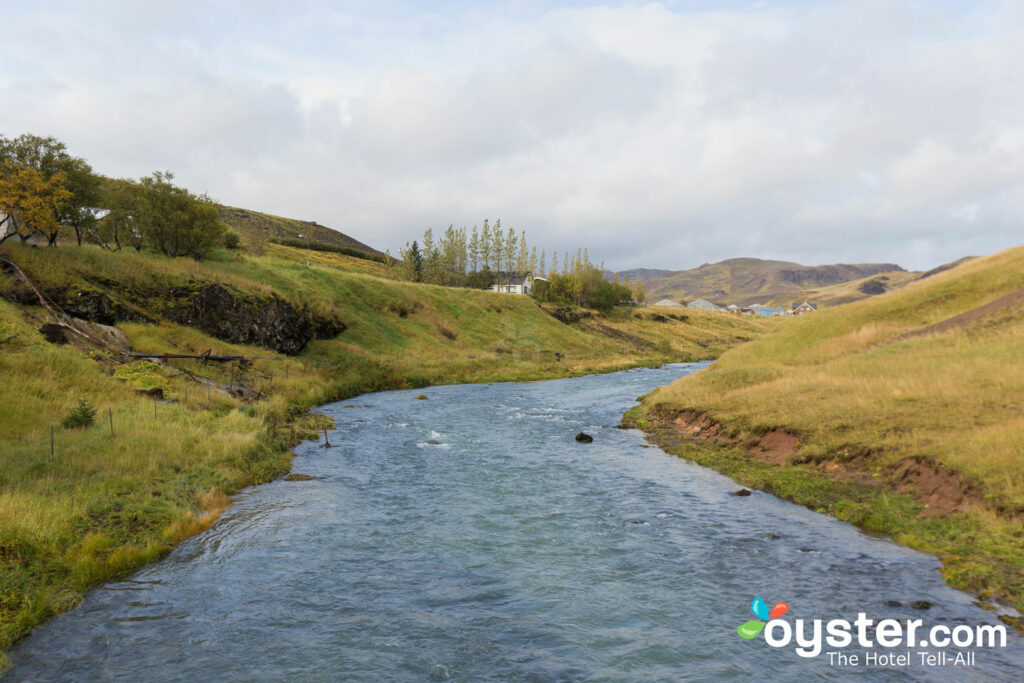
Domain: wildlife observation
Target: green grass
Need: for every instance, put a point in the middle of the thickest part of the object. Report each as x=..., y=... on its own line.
x=863, y=387
x=105, y=503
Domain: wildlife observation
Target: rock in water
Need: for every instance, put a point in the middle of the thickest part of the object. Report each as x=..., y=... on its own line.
x=299, y=477
x=584, y=438
x=421, y=397
x=741, y=492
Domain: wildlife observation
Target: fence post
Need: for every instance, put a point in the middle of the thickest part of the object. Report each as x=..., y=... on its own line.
x=51, y=442
x=327, y=444
x=110, y=414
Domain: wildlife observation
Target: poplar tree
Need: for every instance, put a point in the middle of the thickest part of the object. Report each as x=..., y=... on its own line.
x=485, y=246
x=474, y=250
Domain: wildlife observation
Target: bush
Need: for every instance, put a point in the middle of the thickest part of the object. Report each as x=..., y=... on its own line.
x=232, y=240
x=83, y=415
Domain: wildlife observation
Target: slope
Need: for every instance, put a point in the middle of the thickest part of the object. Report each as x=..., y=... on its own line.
x=901, y=414
x=744, y=281
x=256, y=228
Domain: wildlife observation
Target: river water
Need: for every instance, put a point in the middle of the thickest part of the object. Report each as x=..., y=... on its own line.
x=469, y=537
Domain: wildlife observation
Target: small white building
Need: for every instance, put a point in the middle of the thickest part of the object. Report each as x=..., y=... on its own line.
x=511, y=282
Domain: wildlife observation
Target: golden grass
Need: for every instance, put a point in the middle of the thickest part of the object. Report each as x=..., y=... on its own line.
x=858, y=379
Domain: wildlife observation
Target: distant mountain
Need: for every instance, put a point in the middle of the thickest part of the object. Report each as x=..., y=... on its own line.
x=254, y=227
x=745, y=281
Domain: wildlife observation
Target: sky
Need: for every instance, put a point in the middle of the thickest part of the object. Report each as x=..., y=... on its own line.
x=660, y=135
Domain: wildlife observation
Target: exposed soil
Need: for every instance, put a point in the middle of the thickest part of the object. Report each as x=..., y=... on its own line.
x=773, y=447
x=941, y=491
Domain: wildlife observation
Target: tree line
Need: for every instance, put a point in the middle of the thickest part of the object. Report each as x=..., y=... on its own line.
x=480, y=258
x=46, y=192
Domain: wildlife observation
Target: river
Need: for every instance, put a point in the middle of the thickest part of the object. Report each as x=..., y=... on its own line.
x=469, y=537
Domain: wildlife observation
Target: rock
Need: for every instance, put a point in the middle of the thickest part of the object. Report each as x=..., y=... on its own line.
x=299, y=477
x=421, y=397
x=741, y=492
x=893, y=603
x=584, y=438
x=54, y=333
x=249, y=319
x=623, y=425
x=91, y=305
x=921, y=604
x=773, y=537
x=108, y=334
x=432, y=442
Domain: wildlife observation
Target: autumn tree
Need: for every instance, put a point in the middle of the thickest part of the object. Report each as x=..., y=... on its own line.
x=31, y=202
x=49, y=158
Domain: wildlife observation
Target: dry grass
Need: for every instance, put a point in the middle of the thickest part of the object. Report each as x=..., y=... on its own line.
x=854, y=379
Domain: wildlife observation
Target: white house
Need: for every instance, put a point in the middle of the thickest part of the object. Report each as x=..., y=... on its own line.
x=510, y=282
x=6, y=226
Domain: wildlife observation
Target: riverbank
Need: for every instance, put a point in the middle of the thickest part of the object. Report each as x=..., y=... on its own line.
x=172, y=440
x=899, y=414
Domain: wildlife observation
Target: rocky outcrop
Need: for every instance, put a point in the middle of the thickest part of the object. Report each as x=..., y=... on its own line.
x=248, y=319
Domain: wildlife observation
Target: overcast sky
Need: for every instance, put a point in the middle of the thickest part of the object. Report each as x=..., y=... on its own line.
x=658, y=135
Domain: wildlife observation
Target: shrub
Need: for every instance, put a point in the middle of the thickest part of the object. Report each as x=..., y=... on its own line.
x=82, y=415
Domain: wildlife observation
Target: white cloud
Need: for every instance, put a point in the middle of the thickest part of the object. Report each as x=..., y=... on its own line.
x=815, y=132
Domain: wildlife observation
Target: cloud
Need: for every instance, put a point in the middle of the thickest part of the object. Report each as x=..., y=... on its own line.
x=657, y=137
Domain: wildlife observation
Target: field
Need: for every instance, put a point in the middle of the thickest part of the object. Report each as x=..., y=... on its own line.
x=147, y=474
x=901, y=413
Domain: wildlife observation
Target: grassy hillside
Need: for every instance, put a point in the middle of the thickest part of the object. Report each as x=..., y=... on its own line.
x=744, y=281
x=256, y=228
x=901, y=413
x=846, y=292
x=110, y=499
x=326, y=259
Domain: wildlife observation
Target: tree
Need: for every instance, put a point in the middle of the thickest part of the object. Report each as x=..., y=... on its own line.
x=122, y=200
x=32, y=201
x=523, y=255
x=511, y=247
x=485, y=246
x=474, y=250
x=412, y=263
x=498, y=247
x=175, y=221
x=50, y=159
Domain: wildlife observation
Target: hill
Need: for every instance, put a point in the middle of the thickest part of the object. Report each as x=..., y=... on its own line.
x=173, y=437
x=900, y=413
x=255, y=228
x=744, y=281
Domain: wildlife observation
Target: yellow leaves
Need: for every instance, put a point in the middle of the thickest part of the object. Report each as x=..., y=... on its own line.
x=33, y=199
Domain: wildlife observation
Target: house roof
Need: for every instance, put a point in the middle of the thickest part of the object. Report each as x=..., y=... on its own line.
x=510, y=276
